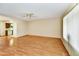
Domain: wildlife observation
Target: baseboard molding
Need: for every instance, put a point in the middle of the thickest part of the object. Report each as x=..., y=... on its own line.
x=39, y=36
x=22, y=36
x=65, y=46
x=45, y=36
x=70, y=49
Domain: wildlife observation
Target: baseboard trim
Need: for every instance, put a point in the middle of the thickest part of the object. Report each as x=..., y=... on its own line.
x=69, y=48
x=39, y=36
x=21, y=36
x=45, y=36
x=65, y=47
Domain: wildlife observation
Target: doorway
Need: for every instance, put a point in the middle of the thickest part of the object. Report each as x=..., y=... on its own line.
x=9, y=29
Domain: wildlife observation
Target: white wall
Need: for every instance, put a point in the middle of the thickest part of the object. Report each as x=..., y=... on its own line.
x=22, y=27
x=2, y=28
x=48, y=27
x=65, y=29
x=42, y=27
x=2, y=25
x=73, y=29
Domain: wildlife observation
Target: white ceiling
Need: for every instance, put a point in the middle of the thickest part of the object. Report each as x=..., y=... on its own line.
x=39, y=10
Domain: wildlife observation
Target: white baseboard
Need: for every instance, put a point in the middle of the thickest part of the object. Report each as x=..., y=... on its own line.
x=44, y=36
x=70, y=49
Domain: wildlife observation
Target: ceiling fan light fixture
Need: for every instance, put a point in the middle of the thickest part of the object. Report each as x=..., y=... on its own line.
x=28, y=15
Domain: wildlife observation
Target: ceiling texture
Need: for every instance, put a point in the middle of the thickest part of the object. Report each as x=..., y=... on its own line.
x=33, y=11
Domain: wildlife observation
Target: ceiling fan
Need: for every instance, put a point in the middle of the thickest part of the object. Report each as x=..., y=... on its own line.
x=29, y=15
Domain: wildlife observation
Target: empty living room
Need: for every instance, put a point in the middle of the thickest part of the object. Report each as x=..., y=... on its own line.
x=39, y=29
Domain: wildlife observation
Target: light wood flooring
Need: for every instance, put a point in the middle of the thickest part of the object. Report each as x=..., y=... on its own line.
x=32, y=46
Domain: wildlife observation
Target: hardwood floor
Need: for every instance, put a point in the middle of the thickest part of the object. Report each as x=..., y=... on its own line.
x=33, y=46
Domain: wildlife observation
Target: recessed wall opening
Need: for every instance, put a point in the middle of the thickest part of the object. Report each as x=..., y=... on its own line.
x=7, y=28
